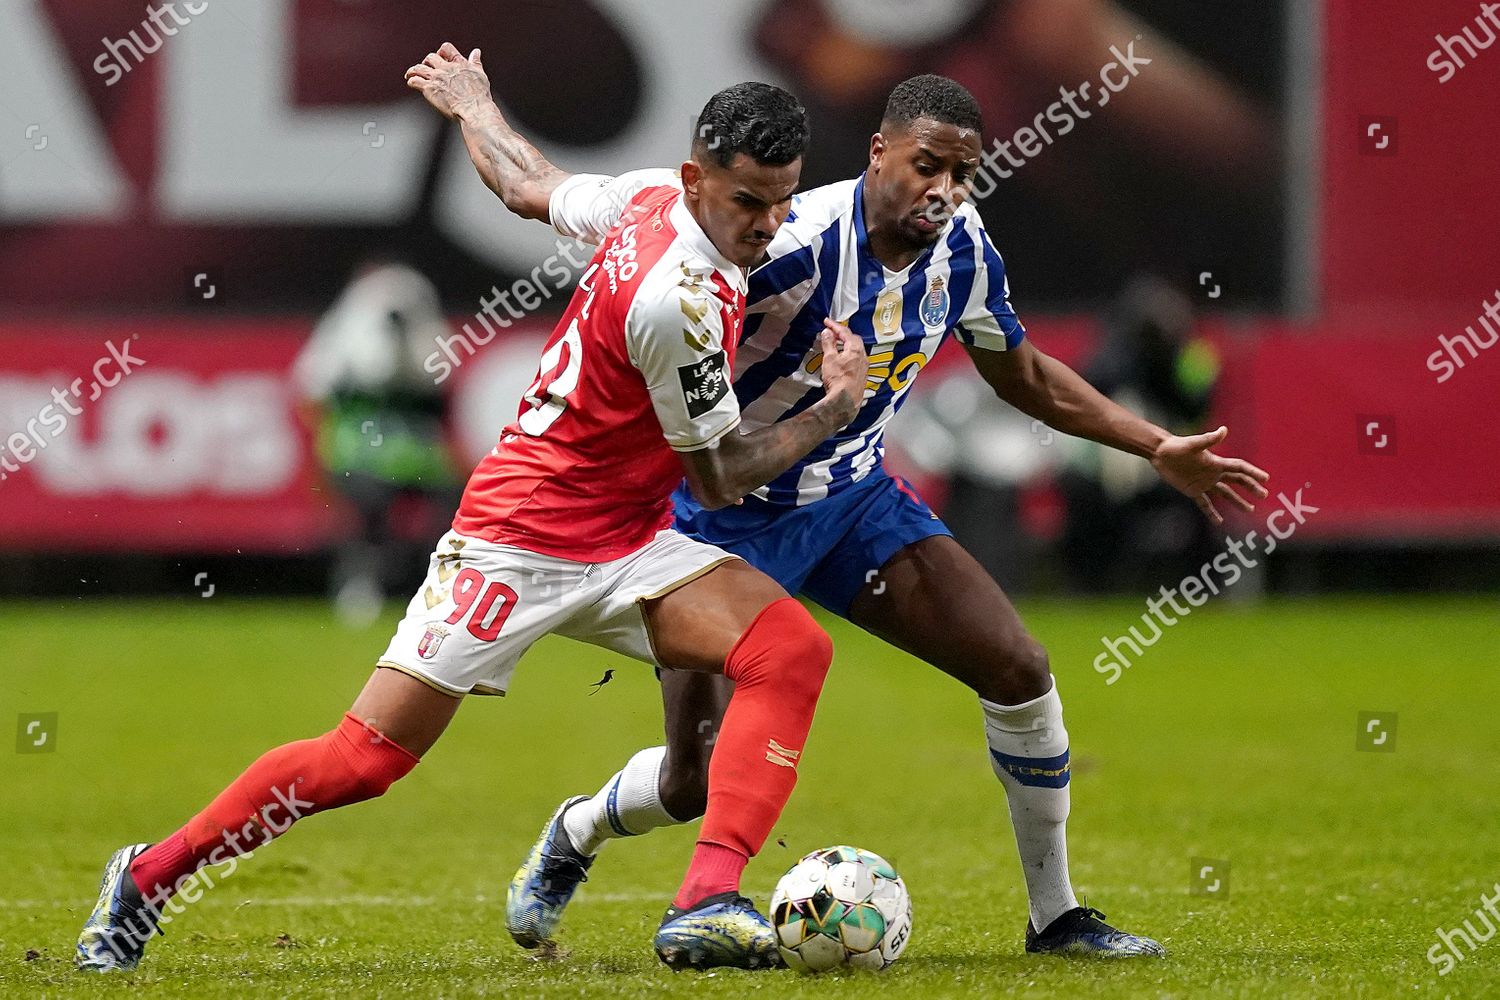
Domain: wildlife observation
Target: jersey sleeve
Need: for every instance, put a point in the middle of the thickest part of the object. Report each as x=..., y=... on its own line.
x=586, y=206
x=990, y=322
x=676, y=339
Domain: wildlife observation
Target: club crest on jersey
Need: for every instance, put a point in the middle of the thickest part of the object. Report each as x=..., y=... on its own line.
x=704, y=383
x=431, y=640
x=935, y=303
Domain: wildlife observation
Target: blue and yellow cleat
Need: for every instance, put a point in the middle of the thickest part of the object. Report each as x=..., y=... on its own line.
x=1082, y=931
x=544, y=884
x=115, y=936
x=721, y=931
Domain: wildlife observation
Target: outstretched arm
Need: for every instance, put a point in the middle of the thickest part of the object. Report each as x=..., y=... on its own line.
x=510, y=166
x=1043, y=387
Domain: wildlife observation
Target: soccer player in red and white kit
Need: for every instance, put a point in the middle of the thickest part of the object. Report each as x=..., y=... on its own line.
x=564, y=526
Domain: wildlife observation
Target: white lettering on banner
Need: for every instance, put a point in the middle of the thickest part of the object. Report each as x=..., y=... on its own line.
x=66, y=170
x=679, y=47
x=162, y=434
x=234, y=146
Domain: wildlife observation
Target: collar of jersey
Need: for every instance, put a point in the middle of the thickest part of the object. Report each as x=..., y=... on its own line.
x=697, y=240
x=871, y=270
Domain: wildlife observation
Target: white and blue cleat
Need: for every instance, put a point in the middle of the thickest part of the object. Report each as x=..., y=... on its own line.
x=722, y=931
x=544, y=884
x=1082, y=931
x=115, y=935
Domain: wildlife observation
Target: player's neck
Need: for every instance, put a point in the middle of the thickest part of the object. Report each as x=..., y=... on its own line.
x=886, y=244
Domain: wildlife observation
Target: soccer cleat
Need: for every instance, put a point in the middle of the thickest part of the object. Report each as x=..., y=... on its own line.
x=543, y=885
x=1082, y=931
x=115, y=936
x=724, y=930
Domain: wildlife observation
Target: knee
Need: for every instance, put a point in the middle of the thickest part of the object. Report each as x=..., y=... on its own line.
x=361, y=763
x=1033, y=666
x=1021, y=671
x=784, y=642
x=807, y=653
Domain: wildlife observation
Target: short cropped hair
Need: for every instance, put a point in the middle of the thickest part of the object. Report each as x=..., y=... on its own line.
x=764, y=122
x=935, y=97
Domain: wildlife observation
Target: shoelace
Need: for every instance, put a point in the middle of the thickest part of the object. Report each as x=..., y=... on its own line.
x=562, y=867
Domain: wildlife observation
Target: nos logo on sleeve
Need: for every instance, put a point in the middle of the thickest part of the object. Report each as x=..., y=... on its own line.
x=704, y=383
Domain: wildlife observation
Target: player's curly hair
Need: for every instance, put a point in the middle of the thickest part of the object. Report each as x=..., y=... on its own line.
x=764, y=122
x=935, y=97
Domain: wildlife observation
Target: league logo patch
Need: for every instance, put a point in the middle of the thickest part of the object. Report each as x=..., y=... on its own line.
x=935, y=303
x=704, y=383
x=432, y=640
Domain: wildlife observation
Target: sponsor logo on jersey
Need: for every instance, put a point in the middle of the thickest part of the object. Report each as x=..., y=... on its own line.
x=704, y=383
x=935, y=303
x=619, y=260
x=432, y=640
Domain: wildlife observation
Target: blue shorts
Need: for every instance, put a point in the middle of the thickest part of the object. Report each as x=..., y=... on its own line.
x=827, y=550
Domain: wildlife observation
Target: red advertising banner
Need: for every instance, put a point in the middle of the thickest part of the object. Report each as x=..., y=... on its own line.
x=180, y=436
x=1364, y=419
x=154, y=435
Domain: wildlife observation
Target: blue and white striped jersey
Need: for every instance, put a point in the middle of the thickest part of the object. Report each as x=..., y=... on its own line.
x=820, y=265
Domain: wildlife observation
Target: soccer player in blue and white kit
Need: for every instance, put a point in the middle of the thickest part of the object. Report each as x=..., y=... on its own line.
x=906, y=262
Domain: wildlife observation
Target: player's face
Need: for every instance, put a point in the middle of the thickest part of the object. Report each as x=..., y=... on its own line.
x=919, y=174
x=742, y=205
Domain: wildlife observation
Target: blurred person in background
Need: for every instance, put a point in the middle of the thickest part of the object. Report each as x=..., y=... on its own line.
x=1125, y=529
x=378, y=420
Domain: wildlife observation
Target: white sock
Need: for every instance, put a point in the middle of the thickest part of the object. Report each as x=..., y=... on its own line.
x=1029, y=753
x=628, y=805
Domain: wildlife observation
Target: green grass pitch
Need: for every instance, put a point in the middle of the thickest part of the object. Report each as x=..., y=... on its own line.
x=1233, y=738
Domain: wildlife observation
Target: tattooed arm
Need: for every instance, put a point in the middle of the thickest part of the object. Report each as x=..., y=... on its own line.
x=510, y=166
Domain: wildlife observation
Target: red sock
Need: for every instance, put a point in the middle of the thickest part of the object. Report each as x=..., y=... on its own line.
x=778, y=667
x=351, y=763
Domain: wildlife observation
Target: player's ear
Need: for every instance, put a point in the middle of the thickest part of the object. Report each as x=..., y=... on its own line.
x=692, y=178
x=877, y=150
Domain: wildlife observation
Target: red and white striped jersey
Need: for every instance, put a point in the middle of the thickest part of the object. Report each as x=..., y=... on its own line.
x=637, y=368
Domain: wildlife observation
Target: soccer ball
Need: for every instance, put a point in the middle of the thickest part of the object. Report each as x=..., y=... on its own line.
x=841, y=905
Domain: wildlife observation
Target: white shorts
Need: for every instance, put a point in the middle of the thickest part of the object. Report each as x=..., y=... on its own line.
x=483, y=605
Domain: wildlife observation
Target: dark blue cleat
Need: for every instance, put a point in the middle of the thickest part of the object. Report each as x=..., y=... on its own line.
x=1082, y=931
x=545, y=883
x=115, y=936
x=722, y=931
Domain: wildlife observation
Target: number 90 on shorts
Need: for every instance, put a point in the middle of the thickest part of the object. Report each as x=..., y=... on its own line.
x=483, y=605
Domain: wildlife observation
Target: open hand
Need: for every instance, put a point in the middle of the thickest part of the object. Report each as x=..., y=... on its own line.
x=1187, y=465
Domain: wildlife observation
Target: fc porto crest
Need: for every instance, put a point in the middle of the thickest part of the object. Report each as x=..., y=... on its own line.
x=935, y=303
x=431, y=640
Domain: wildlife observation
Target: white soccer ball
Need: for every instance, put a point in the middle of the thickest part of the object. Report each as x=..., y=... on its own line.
x=841, y=905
